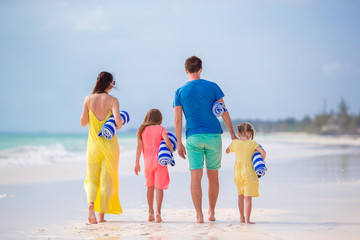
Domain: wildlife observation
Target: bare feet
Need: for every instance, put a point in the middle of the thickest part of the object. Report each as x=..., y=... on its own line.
x=249, y=222
x=242, y=219
x=101, y=218
x=158, y=218
x=92, y=217
x=151, y=217
x=199, y=218
x=211, y=216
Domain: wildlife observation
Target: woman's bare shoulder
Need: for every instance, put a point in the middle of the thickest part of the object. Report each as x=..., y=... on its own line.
x=114, y=99
x=86, y=99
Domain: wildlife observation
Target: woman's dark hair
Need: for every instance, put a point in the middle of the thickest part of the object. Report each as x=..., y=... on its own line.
x=193, y=64
x=102, y=82
x=152, y=117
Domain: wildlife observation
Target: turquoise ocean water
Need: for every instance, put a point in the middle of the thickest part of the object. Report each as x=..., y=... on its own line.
x=22, y=150
x=18, y=150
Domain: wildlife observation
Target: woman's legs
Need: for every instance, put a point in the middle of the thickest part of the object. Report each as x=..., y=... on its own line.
x=101, y=217
x=92, y=181
x=150, y=199
x=92, y=217
x=159, y=199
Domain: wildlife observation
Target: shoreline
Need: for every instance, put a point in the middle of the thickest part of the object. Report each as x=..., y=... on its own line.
x=309, y=191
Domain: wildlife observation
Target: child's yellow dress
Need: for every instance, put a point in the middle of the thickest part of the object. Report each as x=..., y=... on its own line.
x=102, y=177
x=245, y=177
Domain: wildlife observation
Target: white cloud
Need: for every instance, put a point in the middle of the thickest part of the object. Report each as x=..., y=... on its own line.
x=331, y=69
x=93, y=20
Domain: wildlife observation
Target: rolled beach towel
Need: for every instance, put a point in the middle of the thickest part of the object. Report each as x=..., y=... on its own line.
x=165, y=155
x=109, y=128
x=219, y=108
x=259, y=164
x=125, y=117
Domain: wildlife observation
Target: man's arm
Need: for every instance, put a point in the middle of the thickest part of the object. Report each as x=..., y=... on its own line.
x=227, y=120
x=178, y=130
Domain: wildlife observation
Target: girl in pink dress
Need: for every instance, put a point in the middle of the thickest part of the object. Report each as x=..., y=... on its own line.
x=149, y=137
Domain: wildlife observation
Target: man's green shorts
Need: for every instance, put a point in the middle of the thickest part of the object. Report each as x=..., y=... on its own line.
x=200, y=145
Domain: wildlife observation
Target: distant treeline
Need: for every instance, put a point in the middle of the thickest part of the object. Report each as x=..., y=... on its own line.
x=326, y=123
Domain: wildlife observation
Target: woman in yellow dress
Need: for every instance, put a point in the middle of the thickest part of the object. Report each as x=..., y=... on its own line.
x=102, y=156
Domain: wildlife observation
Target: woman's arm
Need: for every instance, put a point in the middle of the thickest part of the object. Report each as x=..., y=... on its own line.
x=84, y=119
x=138, y=154
x=261, y=151
x=167, y=141
x=115, y=109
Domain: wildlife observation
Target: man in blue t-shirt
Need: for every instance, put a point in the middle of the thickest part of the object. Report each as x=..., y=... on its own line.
x=203, y=133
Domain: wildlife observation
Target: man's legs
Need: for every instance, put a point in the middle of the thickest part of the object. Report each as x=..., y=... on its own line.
x=213, y=178
x=213, y=147
x=196, y=193
x=195, y=150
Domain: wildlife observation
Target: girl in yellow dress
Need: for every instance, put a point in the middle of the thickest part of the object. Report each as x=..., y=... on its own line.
x=245, y=178
x=102, y=156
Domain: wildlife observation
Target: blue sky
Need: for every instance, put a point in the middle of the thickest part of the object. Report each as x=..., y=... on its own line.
x=272, y=58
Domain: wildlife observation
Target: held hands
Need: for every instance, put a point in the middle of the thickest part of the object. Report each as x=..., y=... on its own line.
x=181, y=150
x=233, y=137
x=137, y=168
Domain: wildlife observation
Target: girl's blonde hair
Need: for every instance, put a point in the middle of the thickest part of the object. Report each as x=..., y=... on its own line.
x=246, y=128
x=152, y=117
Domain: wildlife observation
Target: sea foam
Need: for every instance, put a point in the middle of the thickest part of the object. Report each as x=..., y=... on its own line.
x=37, y=155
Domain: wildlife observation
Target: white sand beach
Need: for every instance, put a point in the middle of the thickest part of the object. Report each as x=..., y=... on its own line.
x=311, y=190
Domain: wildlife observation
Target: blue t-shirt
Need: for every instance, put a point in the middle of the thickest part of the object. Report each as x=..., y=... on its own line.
x=197, y=98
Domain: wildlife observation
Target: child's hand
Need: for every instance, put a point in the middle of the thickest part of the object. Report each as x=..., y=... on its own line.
x=228, y=150
x=137, y=169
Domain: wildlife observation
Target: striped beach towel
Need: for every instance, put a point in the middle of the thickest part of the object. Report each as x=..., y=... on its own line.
x=259, y=164
x=165, y=155
x=109, y=128
x=219, y=108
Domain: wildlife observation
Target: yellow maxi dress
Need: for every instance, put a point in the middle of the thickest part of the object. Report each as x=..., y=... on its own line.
x=102, y=177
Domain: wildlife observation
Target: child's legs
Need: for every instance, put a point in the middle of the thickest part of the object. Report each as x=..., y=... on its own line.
x=241, y=207
x=248, y=206
x=150, y=181
x=162, y=181
x=159, y=199
x=150, y=198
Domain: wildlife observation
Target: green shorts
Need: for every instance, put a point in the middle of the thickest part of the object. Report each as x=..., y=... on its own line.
x=200, y=145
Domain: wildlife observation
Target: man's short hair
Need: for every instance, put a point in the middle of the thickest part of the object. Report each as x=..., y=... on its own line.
x=193, y=64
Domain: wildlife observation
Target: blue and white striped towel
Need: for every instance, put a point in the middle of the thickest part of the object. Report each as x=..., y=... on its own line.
x=165, y=155
x=219, y=108
x=259, y=164
x=109, y=128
